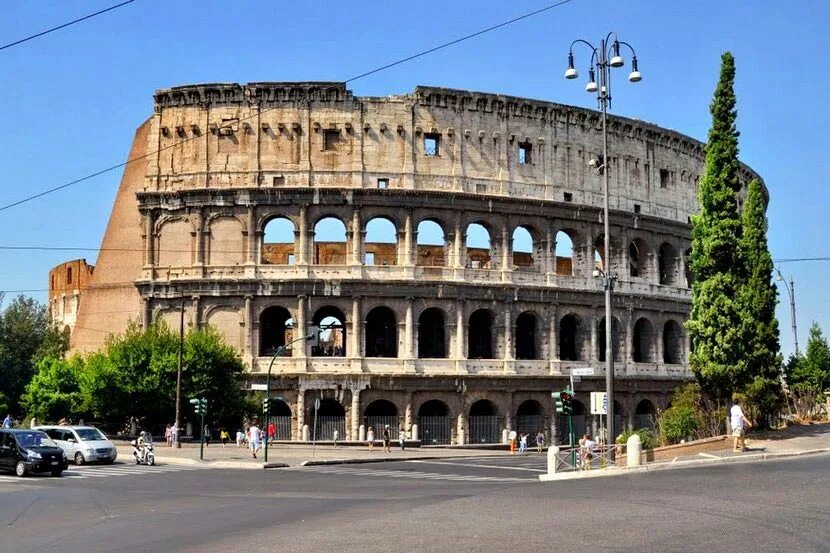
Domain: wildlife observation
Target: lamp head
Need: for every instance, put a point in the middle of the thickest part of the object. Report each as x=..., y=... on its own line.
x=571, y=72
x=597, y=273
x=635, y=76
x=616, y=59
x=592, y=82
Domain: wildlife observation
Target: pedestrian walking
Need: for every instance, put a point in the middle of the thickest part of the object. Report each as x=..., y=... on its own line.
x=206, y=435
x=224, y=437
x=240, y=438
x=168, y=435
x=254, y=437
x=740, y=424
x=370, y=438
x=272, y=431
x=540, y=441
x=174, y=433
x=7, y=422
x=402, y=438
x=586, y=450
x=335, y=436
x=387, y=438
x=523, y=444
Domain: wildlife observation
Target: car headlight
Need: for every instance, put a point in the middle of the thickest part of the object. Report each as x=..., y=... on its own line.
x=34, y=455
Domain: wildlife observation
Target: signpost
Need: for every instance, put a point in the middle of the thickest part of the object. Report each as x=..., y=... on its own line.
x=200, y=407
x=314, y=433
x=599, y=403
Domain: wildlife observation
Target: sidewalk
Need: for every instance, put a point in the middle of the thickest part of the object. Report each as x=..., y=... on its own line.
x=294, y=455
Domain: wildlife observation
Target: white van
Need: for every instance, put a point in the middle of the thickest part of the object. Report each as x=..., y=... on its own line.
x=82, y=444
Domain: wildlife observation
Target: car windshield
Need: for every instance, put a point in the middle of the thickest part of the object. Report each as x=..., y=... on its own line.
x=35, y=439
x=90, y=434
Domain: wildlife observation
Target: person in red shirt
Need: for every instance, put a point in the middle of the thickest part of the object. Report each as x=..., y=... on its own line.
x=272, y=431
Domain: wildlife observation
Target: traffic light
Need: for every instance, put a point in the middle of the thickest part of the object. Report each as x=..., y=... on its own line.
x=199, y=406
x=266, y=405
x=564, y=401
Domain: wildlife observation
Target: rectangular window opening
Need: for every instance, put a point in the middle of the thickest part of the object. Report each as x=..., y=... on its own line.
x=664, y=178
x=383, y=184
x=370, y=259
x=432, y=143
x=69, y=275
x=636, y=208
x=525, y=149
x=279, y=181
x=481, y=188
x=291, y=259
x=331, y=140
x=569, y=197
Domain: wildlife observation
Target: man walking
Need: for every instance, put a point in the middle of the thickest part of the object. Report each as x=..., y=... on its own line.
x=254, y=437
x=386, y=440
x=7, y=422
x=740, y=424
x=540, y=441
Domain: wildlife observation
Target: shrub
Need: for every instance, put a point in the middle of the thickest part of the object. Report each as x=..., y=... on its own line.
x=678, y=422
x=647, y=437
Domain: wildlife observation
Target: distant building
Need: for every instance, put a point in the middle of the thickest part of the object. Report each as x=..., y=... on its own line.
x=67, y=282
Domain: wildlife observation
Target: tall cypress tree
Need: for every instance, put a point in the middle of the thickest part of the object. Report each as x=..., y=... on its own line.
x=715, y=324
x=759, y=298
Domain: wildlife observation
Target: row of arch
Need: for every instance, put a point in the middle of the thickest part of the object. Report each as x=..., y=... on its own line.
x=381, y=335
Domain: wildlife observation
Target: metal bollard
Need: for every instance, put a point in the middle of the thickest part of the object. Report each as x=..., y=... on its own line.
x=553, y=451
x=634, y=451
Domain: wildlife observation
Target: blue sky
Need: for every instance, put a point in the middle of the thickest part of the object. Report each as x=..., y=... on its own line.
x=73, y=99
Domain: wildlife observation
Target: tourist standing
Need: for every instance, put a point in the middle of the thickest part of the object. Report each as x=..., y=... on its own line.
x=540, y=441
x=168, y=435
x=240, y=438
x=335, y=436
x=224, y=437
x=740, y=424
x=402, y=438
x=387, y=438
x=370, y=438
x=206, y=435
x=174, y=433
x=523, y=443
x=254, y=437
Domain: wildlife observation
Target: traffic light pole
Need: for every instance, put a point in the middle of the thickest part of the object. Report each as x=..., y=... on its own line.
x=202, y=444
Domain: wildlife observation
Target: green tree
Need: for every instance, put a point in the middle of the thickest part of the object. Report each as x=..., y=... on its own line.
x=759, y=298
x=715, y=324
x=23, y=327
x=54, y=391
x=812, y=371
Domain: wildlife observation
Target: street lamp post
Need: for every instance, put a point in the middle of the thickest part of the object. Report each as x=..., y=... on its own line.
x=177, y=423
x=280, y=351
x=791, y=293
x=603, y=58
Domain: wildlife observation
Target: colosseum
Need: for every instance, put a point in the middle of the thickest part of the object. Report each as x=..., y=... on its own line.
x=443, y=245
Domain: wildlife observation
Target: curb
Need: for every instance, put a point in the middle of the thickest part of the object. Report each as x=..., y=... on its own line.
x=677, y=465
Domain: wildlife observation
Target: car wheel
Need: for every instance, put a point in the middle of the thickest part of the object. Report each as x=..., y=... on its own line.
x=20, y=469
x=79, y=459
x=57, y=473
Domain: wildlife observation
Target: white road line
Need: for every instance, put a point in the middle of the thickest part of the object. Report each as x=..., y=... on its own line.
x=473, y=465
x=416, y=475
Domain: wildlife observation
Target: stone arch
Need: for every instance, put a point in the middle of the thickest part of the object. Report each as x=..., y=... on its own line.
x=174, y=242
x=616, y=339
x=480, y=335
x=380, y=408
x=672, y=343
x=227, y=321
x=381, y=242
x=431, y=242
x=645, y=414
x=276, y=329
x=479, y=246
x=525, y=246
x=432, y=335
x=381, y=333
x=527, y=336
x=329, y=241
x=570, y=338
x=278, y=241
x=434, y=423
x=226, y=241
x=332, y=332
x=638, y=258
x=279, y=408
x=530, y=418
x=565, y=253
x=687, y=268
x=600, y=260
x=643, y=341
x=667, y=264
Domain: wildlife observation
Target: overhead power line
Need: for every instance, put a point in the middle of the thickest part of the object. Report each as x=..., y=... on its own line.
x=261, y=112
x=800, y=259
x=64, y=25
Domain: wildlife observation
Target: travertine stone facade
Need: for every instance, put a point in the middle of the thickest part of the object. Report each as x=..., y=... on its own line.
x=471, y=333
x=67, y=283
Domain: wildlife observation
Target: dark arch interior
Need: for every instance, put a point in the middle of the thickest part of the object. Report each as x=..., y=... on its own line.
x=667, y=261
x=645, y=407
x=568, y=332
x=330, y=408
x=381, y=333
x=280, y=409
x=615, y=339
x=431, y=335
x=381, y=408
x=526, y=336
x=672, y=345
x=433, y=408
x=643, y=340
x=578, y=407
x=529, y=407
x=332, y=336
x=482, y=408
x=275, y=330
x=480, y=335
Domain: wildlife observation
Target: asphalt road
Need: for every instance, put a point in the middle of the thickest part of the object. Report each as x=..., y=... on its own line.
x=487, y=504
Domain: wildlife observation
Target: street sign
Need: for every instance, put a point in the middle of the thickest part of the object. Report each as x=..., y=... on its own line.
x=599, y=403
x=586, y=371
x=576, y=378
x=263, y=387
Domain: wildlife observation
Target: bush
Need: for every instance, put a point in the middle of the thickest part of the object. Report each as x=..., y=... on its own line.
x=677, y=423
x=647, y=437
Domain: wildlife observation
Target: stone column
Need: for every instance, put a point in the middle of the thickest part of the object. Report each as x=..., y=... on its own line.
x=300, y=413
x=250, y=346
x=147, y=313
x=409, y=331
x=460, y=349
x=200, y=239
x=594, y=357
x=301, y=326
x=252, y=257
x=506, y=259
x=629, y=337
x=658, y=337
x=354, y=343
x=463, y=432
x=356, y=235
x=303, y=236
x=407, y=414
x=149, y=241
x=408, y=241
x=550, y=250
x=508, y=331
x=354, y=423
x=459, y=249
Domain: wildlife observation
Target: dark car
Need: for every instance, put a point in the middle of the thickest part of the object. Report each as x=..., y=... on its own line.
x=29, y=451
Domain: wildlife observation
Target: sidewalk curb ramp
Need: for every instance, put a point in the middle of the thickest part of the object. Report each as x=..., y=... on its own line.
x=618, y=471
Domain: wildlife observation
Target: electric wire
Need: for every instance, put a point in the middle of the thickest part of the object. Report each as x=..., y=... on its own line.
x=266, y=110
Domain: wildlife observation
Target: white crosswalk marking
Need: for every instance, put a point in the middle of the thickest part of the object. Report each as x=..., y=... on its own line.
x=109, y=471
x=418, y=475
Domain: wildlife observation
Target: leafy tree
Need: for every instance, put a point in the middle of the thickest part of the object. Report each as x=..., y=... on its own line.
x=54, y=392
x=23, y=327
x=715, y=325
x=812, y=372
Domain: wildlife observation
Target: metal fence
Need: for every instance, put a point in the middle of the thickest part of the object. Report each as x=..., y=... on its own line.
x=436, y=430
x=326, y=427
x=644, y=421
x=283, y=427
x=485, y=430
x=530, y=424
x=579, y=458
x=379, y=422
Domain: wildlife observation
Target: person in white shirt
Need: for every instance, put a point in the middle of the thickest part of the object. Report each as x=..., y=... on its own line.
x=254, y=437
x=740, y=424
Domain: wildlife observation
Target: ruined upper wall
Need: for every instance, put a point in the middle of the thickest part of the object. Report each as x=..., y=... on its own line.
x=318, y=134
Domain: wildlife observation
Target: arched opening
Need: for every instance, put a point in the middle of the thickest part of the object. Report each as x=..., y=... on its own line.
x=431, y=336
x=637, y=259
x=278, y=242
x=381, y=333
x=332, y=334
x=687, y=269
x=280, y=417
x=276, y=329
x=431, y=245
x=330, y=417
x=600, y=259
x=523, y=247
x=644, y=415
x=379, y=414
x=569, y=338
x=643, y=341
x=667, y=263
x=672, y=343
x=330, y=242
x=579, y=421
x=526, y=336
x=381, y=244
x=478, y=247
x=616, y=339
x=529, y=418
x=565, y=261
x=484, y=423
x=480, y=339
x=619, y=419
x=434, y=425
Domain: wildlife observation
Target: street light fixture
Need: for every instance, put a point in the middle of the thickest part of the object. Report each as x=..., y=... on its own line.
x=791, y=293
x=601, y=63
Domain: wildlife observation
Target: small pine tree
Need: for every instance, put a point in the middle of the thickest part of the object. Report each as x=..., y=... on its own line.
x=715, y=324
